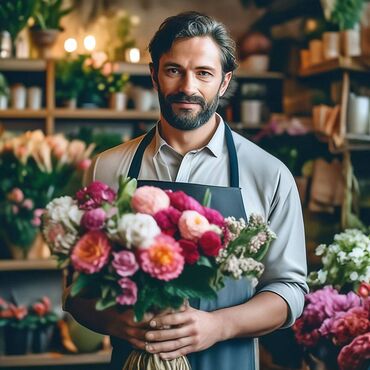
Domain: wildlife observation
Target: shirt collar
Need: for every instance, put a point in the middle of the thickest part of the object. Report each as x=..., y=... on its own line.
x=215, y=145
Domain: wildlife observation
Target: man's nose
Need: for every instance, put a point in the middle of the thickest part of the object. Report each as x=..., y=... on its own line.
x=188, y=84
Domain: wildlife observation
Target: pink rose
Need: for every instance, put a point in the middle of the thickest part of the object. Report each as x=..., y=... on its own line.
x=95, y=195
x=93, y=219
x=356, y=354
x=163, y=260
x=189, y=251
x=149, y=200
x=28, y=204
x=210, y=243
x=124, y=262
x=84, y=164
x=167, y=220
x=184, y=202
x=192, y=225
x=91, y=253
x=214, y=217
x=129, y=290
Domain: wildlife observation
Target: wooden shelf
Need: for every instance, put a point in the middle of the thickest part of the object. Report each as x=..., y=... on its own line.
x=133, y=69
x=104, y=114
x=13, y=64
x=23, y=113
x=24, y=265
x=356, y=64
x=55, y=359
x=244, y=73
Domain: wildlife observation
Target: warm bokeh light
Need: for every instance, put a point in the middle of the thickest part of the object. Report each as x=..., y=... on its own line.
x=89, y=43
x=70, y=45
x=133, y=55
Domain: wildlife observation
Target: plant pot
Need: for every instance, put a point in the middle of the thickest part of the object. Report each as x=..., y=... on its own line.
x=3, y=102
x=18, y=96
x=358, y=114
x=350, y=43
x=330, y=45
x=34, y=97
x=41, y=339
x=44, y=41
x=70, y=103
x=251, y=112
x=37, y=250
x=6, y=47
x=118, y=101
x=142, y=99
x=17, y=341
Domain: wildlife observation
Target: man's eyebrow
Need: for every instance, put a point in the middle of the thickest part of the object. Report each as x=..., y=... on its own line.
x=173, y=64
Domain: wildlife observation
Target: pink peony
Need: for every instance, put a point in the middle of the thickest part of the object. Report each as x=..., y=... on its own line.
x=364, y=290
x=28, y=204
x=124, y=262
x=184, y=202
x=84, y=164
x=189, y=251
x=93, y=219
x=163, y=259
x=95, y=195
x=16, y=195
x=149, y=200
x=214, y=217
x=91, y=253
x=356, y=354
x=192, y=225
x=167, y=220
x=129, y=290
x=210, y=243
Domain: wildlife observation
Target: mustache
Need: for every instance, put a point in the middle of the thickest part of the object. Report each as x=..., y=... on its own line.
x=183, y=98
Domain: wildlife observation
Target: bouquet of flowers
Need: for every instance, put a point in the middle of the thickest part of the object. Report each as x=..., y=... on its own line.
x=34, y=169
x=346, y=262
x=336, y=327
x=149, y=248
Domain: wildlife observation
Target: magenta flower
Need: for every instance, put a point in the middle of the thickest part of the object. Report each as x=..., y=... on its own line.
x=91, y=253
x=124, y=262
x=163, y=260
x=149, y=200
x=93, y=219
x=356, y=354
x=95, y=195
x=214, y=217
x=167, y=220
x=129, y=292
x=184, y=202
x=16, y=195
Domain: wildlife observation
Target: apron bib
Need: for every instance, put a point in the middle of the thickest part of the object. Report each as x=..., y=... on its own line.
x=234, y=354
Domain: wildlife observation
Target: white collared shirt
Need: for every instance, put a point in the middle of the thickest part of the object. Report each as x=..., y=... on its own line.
x=267, y=187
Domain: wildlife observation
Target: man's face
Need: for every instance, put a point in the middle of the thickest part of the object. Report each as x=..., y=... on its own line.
x=189, y=82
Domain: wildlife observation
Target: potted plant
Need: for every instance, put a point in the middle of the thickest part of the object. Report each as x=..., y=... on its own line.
x=116, y=84
x=46, y=28
x=4, y=92
x=346, y=15
x=14, y=15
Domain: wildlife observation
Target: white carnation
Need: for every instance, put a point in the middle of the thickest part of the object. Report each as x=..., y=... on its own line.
x=137, y=230
x=64, y=210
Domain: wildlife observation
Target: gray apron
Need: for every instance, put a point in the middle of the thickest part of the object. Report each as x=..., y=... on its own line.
x=234, y=354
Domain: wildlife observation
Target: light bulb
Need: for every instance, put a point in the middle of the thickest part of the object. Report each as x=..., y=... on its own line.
x=70, y=45
x=89, y=43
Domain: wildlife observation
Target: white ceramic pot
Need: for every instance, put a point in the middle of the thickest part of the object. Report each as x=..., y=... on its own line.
x=256, y=63
x=330, y=45
x=351, y=43
x=142, y=99
x=3, y=102
x=251, y=112
x=34, y=97
x=118, y=101
x=18, y=95
x=358, y=114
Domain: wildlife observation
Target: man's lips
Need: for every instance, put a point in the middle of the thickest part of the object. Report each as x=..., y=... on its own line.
x=184, y=104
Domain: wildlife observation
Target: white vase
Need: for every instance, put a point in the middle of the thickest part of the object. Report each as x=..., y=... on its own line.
x=18, y=96
x=34, y=97
x=142, y=99
x=118, y=101
x=330, y=45
x=251, y=112
x=358, y=114
x=3, y=102
x=351, y=43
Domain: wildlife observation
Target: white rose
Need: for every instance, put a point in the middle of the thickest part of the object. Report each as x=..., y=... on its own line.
x=137, y=230
x=64, y=210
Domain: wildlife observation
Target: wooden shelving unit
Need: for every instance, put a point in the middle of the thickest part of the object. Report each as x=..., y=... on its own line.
x=26, y=265
x=23, y=113
x=55, y=359
x=31, y=65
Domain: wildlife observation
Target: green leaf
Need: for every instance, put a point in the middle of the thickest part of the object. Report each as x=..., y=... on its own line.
x=207, y=198
x=103, y=304
x=127, y=188
x=82, y=281
x=204, y=261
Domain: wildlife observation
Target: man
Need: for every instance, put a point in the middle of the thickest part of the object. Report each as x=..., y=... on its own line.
x=193, y=59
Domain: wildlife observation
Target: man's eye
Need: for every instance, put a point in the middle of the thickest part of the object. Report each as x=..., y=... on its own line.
x=204, y=74
x=173, y=71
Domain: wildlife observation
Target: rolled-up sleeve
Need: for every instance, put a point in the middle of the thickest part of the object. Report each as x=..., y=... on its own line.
x=285, y=263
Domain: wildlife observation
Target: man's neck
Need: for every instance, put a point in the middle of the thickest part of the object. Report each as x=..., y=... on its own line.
x=185, y=141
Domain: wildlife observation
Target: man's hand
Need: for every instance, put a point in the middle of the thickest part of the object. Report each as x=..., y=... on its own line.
x=184, y=332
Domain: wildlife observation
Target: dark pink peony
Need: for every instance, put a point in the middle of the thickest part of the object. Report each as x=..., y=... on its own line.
x=356, y=354
x=124, y=262
x=214, y=217
x=189, y=251
x=184, y=202
x=129, y=292
x=93, y=219
x=210, y=243
x=95, y=195
x=167, y=220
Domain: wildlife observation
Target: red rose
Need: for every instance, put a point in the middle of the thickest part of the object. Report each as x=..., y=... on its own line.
x=189, y=251
x=210, y=243
x=214, y=217
x=184, y=202
x=167, y=220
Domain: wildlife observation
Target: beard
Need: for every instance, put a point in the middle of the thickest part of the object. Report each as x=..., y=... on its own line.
x=187, y=120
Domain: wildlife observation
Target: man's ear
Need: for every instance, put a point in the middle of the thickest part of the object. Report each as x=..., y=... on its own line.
x=153, y=75
x=225, y=83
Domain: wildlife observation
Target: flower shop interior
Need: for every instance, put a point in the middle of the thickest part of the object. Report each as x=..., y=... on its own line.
x=75, y=81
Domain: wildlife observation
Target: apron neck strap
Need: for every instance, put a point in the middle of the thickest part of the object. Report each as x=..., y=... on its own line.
x=233, y=159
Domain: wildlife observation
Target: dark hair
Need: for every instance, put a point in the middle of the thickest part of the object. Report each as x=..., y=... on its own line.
x=193, y=24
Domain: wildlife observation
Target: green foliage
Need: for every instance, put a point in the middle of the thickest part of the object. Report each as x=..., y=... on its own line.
x=127, y=188
x=4, y=89
x=116, y=82
x=49, y=13
x=14, y=15
x=346, y=13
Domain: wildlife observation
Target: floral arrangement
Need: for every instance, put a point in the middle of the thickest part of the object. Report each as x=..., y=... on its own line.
x=149, y=248
x=34, y=169
x=337, y=326
x=346, y=262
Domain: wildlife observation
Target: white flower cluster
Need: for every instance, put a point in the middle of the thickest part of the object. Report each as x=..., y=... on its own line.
x=64, y=210
x=345, y=261
x=235, y=226
x=239, y=267
x=134, y=230
x=257, y=242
